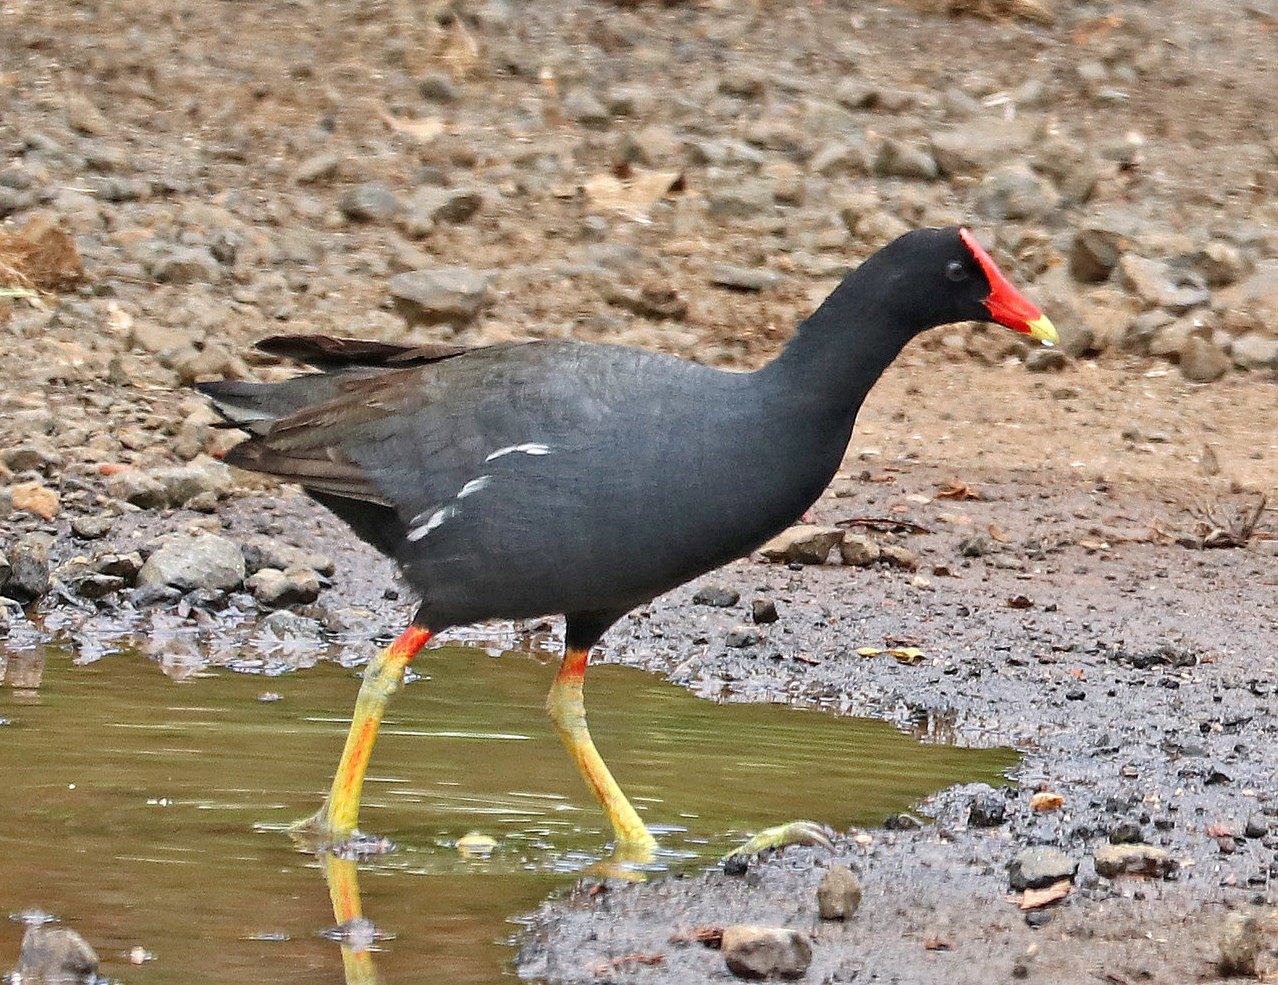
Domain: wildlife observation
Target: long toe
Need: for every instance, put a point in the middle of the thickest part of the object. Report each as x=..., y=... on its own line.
x=794, y=833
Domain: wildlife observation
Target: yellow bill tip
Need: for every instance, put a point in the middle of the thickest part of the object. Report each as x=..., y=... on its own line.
x=1042, y=329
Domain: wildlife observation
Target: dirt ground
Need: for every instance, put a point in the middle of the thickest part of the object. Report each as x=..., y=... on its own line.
x=222, y=168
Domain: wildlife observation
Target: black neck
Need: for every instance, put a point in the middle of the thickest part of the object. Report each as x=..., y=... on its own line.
x=838, y=353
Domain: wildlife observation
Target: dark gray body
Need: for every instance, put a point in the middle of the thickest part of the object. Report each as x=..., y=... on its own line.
x=562, y=477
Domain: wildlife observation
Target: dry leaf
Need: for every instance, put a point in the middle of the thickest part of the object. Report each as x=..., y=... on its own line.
x=958, y=490
x=1046, y=801
x=634, y=195
x=423, y=131
x=40, y=256
x=937, y=944
x=32, y=497
x=1034, y=898
x=996, y=534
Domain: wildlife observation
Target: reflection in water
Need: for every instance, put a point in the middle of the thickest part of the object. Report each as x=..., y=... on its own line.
x=150, y=813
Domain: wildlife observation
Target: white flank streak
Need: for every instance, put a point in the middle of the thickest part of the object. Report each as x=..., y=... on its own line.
x=474, y=486
x=436, y=519
x=528, y=448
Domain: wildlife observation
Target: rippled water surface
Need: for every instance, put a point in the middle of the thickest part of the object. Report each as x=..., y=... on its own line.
x=147, y=812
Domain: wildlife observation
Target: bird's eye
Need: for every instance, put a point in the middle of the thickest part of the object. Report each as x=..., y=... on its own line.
x=955, y=271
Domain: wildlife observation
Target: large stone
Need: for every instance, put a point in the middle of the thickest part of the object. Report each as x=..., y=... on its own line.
x=261, y=552
x=1254, y=351
x=443, y=205
x=1202, y=361
x=184, y=482
x=276, y=589
x=448, y=295
x=1015, y=193
x=205, y=561
x=980, y=146
x=765, y=952
x=1134, y=859
x=839, y=894
x=804, y=544
x=371, y=201
x=1040, y=867
x=135, y=486
x=55, y=956
x=29, y=568
x=1158, y=284
x=858, y=550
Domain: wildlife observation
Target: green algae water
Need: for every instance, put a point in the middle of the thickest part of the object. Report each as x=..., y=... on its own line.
x=148, y=813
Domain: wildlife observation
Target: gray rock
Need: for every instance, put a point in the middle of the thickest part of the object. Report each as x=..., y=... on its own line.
x=1257, y=826
x=655, y=147
x=277, y=589
x=901, y=159
x=1222, y=264
x=94, y=586
x=743, y=278
x=982, y=145
x=186, y=482
x=858, y=550
x=804, y=544
x=1095, y=251
x=1039, y=867
x=184, y=265
x=32, y=457
x=1133, y=859
x=320, y=167
x=745, y=82
x=1046, y=360
x=203, y=562
x=898, y=556
x=584, y=107
x=52, y=955
x=452, y=295
x=1157, y=284
x=136, y=487
x=765, y=952
x=1241, y=940
x=92, y=527
x=763, y=611
x=283, y=625
x=1144, y=328
x=29, y=568
x=438, y=88
x=124, y=566
x=741, y=200
x=370, y=201
x=443, y=205
x=843, y=158
x=1202, y=361
x=987, y=810
x=839, y=894
x=1015, y=192
x=741, y=637
x=716, y=596
x=1254, y=351
x=265, y=552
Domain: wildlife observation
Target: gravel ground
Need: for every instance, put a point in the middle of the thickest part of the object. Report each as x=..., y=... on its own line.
x=694, y=178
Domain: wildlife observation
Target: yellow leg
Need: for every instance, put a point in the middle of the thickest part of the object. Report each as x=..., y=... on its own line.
x=343, y=890
x=337, y=819
x=568, y=711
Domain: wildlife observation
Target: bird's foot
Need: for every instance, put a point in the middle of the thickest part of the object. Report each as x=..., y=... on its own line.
x=317, y=833
x=794, y=833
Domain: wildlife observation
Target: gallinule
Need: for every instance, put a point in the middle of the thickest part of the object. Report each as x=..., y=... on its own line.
x=517, y=480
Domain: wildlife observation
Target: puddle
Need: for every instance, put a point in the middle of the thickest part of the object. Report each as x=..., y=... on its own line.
x=146, y=812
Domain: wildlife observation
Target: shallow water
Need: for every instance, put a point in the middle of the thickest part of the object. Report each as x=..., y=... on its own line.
x=147, y=812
